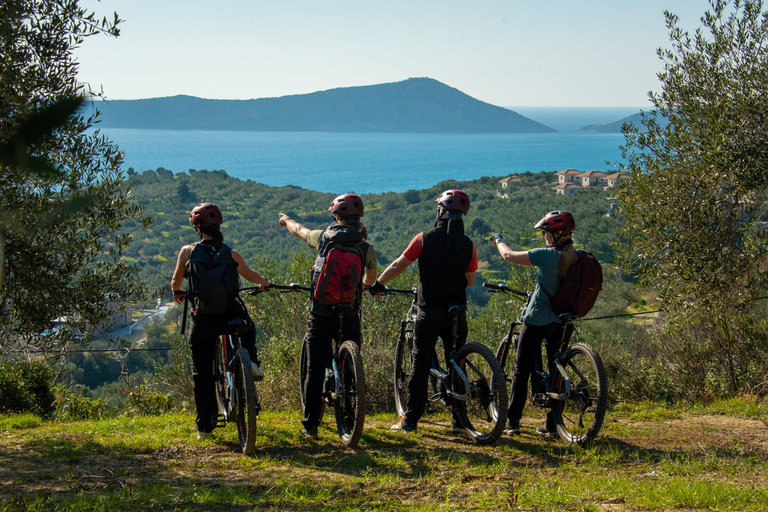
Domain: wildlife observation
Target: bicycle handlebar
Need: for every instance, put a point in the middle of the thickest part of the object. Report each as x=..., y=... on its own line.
x=292, y=287
x=502, y=288
x=402, y=291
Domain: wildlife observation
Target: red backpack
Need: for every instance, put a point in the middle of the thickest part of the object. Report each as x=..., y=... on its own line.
x=339, y=280
x=579, y=288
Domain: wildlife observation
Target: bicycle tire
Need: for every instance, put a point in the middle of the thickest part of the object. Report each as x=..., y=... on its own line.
x=484, y=413
x=303, y=363
x=220, y=376
x=350, y=404
x=580, y=417
x=403, y=365
x=245, y=408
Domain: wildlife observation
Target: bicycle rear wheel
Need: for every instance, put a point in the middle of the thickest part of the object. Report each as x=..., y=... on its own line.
x=579, y=417
x=246, y=401
x=350, y=404
x=220, y=376
x=484, y=411
x=403, y=366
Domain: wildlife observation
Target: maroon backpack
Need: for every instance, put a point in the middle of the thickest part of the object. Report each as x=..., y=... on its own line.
x=579, y=288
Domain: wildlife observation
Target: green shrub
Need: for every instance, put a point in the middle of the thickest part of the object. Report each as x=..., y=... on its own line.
x=74, y=407
x=26, y=387
x=144, y=401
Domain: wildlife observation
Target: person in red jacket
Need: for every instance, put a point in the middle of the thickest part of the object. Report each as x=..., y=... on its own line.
x=447, y=264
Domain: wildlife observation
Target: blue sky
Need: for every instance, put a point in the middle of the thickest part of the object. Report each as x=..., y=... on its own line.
x=505, y=52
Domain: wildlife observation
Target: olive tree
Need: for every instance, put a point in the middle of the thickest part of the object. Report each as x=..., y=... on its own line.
x=64, y=212
x=693, y=213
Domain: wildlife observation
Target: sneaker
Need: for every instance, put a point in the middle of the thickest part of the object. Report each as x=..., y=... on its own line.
x=402, y=427
x=256, y=371
x=203, y=435
x=310, y=432
x=456, y=428
x=512, y=428
x=542, y=430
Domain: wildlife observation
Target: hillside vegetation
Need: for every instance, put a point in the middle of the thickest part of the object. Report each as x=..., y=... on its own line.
x=251, y=210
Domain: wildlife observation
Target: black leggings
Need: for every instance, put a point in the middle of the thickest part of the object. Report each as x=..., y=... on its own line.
x=528, y=357
x=321, y=331
x=203, y=331
x=431, y=322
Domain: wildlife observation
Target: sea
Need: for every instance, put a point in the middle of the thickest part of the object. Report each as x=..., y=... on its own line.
x=380, y=162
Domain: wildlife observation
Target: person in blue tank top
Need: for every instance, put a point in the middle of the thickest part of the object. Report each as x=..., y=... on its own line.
x=540, y=323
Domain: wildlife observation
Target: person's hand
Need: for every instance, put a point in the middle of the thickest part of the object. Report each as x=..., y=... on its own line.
x=496, y=238
x=179, y=296
x=283, y=218
x=265, y=287
x=377, y=289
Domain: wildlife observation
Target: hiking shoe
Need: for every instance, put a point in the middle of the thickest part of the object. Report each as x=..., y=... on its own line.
x=542, y=430
x=456, y=428
x=512, y=428
x=402, y=427
x=203, y=435
x=256, y=371
x=310, y=432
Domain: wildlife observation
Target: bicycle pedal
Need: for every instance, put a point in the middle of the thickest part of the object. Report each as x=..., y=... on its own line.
x=221, y=421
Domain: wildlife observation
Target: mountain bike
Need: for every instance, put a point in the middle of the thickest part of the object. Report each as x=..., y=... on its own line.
x=236, y=393
x=344, y=382
x=576, y=391
x=473, y=383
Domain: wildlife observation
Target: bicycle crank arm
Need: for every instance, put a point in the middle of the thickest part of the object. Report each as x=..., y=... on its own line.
x=336, y=393
x=460, y=396
x=567, y=393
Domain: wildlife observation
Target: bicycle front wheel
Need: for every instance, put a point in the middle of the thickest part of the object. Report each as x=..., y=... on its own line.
x=580, y=416
x=246, y=401
x=350, y=404
x=403, y=366
x=480, y=399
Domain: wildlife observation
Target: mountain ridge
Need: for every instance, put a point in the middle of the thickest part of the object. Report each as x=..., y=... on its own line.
x=415, y=105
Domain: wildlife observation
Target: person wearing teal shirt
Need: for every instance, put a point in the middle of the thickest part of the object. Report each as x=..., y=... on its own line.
x=539, y=321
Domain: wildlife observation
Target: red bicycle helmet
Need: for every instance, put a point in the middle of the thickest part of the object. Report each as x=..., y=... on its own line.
x=454, y=200
x=205, y=214
x=347, y=204
x=557, y=222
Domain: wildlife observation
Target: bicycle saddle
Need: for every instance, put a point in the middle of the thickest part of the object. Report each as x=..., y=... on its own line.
x=456, y=308
x=237, y=326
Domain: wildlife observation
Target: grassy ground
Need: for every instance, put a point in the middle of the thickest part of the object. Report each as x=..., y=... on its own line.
x=647, y=457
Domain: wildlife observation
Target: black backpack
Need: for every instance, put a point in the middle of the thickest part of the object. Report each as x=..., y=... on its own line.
x=579, y=288
x=212, y=276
